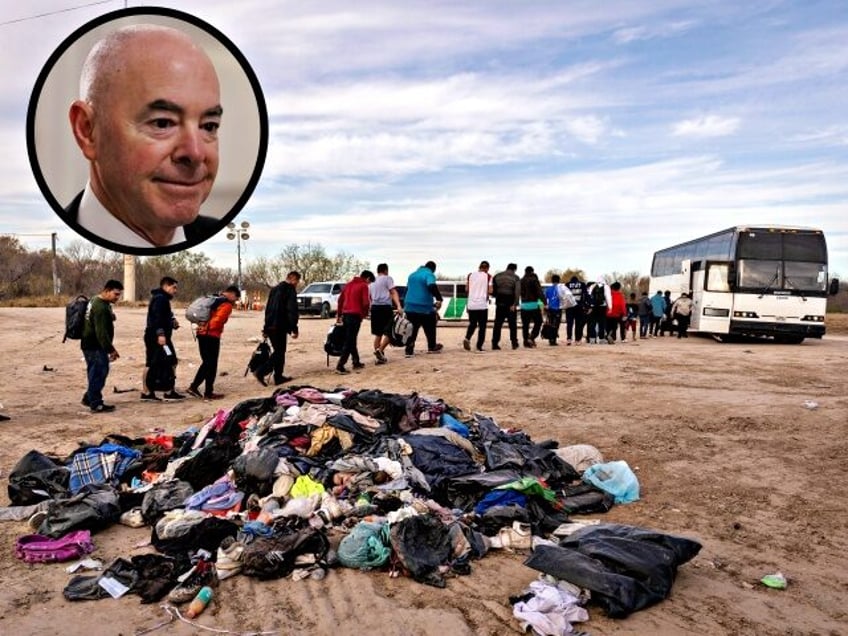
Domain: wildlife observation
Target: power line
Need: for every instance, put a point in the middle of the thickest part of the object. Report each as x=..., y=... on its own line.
x=58, y=11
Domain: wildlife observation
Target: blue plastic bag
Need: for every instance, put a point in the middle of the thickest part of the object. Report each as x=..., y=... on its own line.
x=453, y=424
x=616, y=478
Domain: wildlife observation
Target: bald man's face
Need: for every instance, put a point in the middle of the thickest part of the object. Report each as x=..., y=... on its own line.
x=154, y=150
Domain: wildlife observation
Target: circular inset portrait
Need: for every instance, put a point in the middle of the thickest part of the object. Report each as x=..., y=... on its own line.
x=147, y=131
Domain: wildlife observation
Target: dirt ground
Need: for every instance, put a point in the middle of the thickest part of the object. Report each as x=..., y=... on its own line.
x=725, y=452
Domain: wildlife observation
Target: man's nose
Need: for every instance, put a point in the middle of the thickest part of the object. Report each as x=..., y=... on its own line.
x=191, y=147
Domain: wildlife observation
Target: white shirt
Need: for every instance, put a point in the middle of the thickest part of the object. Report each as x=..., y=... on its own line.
x=95, y=218
x=478, y=291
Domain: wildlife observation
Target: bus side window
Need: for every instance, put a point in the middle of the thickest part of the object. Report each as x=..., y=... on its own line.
x=717, y=277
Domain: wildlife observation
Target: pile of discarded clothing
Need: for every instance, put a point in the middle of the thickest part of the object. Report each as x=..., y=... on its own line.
x=304, y=480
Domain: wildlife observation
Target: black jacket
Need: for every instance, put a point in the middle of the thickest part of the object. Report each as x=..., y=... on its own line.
x=281, y=311
x=160, y=318
x=197, y=231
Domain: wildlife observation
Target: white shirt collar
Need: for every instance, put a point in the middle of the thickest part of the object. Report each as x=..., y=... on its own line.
x=95, y=218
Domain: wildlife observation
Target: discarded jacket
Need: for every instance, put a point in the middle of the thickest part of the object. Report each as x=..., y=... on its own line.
x=625, y=567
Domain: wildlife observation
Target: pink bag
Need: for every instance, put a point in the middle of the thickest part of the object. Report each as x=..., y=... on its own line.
x=36, y=548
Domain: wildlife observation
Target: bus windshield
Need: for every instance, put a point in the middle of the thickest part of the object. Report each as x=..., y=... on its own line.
x=782, y=261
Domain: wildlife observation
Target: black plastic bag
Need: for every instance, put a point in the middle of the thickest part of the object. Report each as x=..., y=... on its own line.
x=422, y=544
x=161, y=376
x=626, y=568
x=94, y=507
x=164, y=496
x=35, y=478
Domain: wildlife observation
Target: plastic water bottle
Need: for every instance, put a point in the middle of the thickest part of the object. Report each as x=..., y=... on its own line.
x=200, y=602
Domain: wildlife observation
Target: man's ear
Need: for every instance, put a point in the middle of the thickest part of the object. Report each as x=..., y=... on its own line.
x=81, y=116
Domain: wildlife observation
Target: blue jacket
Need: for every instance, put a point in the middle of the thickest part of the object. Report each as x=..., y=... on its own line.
x=552, y=296
x=657, y=305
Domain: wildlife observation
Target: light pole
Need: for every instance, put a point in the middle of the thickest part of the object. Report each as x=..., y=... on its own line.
x=239, y=233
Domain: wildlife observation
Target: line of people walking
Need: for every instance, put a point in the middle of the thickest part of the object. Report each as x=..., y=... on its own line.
x=596, y=311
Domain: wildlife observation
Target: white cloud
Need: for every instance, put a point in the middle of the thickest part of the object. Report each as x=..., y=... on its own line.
x=627, y=35
x=706, y=126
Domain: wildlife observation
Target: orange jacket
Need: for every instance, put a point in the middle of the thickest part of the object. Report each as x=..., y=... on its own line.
x=217, y=320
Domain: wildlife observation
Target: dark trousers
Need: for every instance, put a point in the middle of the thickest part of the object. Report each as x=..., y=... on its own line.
x=597, y=323
x=277, y=361
x=682, y=325
x=352, y=323
x=477, y=318
x=528, y=317
x=97, y=368
x=210, y=348
x=554, y=319
x=419, y=321
x=655, y=325
x=575, y=320
x=644, y=325
x=504, y=313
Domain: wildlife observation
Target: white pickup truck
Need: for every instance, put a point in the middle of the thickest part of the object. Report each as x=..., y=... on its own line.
x=320, y=299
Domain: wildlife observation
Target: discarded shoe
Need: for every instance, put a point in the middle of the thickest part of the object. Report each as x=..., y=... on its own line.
x=203, y=574
x=229, y=558
x=518, y=537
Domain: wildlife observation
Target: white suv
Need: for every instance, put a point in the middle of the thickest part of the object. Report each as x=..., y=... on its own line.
x=320, y=299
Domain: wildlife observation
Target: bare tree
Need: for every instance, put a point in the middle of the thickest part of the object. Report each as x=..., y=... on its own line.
x=629, y=281
x=568, y=272
x=310, y=259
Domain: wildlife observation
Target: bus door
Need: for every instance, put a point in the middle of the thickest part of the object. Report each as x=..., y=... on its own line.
x=711, y=297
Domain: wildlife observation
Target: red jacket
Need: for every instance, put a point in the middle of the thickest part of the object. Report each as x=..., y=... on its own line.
x=618, y=309
x=219, y=316
x=355, y=298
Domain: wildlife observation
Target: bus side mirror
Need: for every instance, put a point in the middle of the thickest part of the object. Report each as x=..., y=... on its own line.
x=834, y=286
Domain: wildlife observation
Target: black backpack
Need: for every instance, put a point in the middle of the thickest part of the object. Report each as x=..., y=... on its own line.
x=75, y=317
x=335, y=342
x=599, y=299
x=259, y=359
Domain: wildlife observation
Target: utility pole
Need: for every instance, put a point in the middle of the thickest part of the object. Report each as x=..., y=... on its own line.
x=53, y=239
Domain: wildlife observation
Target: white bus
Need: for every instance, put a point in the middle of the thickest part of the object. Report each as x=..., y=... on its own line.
x=751, y=281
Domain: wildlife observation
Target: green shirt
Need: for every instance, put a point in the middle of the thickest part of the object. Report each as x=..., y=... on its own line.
x=99, y=329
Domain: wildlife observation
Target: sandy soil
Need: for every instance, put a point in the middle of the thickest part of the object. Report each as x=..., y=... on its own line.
x=724, y=449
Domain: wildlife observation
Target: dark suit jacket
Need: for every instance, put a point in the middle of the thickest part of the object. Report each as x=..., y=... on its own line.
x=198, y=230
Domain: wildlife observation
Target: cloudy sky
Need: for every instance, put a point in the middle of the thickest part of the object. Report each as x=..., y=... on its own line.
x=552, y=133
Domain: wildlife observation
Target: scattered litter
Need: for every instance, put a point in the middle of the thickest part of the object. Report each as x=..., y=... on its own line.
x=747, y=585
x=115, y=588
x=85, y=564
x=46, y=368
x=811, y=405
x=117, y=390
x=775, y=581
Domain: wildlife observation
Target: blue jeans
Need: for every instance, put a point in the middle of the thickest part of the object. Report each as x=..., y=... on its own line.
x=97, y=368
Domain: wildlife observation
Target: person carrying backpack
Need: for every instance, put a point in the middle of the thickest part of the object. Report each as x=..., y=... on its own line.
x=161, y=324
x=97, y=344
x=600, y=297
x=532, y=301
x=281, y=318
x=209, y=343
x=553, y=296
